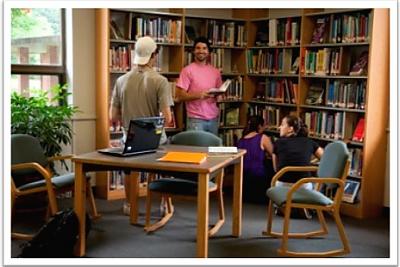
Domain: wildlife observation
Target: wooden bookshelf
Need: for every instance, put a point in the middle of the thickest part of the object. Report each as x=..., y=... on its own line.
x=235, y=63
x=369, y=202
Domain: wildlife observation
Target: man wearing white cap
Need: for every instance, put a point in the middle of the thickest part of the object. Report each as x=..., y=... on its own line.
x=142, y=92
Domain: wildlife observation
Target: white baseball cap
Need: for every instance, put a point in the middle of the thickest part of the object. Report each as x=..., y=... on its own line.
x=144, y=47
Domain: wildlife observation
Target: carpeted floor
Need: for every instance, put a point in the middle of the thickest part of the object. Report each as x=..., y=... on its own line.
x=113, y=237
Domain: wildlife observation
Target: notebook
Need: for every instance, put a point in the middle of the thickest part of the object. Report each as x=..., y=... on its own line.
x=184, y=157
x=143, y=136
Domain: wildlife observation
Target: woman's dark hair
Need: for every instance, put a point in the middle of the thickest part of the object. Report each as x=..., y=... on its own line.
x=299, y=128
x=252, y=124
x=203, y=40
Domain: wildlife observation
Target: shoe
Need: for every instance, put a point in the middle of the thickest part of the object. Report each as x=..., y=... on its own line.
x=126, y=209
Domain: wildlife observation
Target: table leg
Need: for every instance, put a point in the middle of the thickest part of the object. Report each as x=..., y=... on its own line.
x=202, y=215
x=237, y=199
x=79, y=208
x=134, y=198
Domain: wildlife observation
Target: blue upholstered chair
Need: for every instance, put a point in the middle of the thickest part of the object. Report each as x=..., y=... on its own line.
x=331, y=172
x=185, y=186
x=28, y=160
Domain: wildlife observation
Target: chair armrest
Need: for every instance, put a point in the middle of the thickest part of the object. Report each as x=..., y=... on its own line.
x=32, y=165
x=302, y=181
x=292, y=169
x=60, y=157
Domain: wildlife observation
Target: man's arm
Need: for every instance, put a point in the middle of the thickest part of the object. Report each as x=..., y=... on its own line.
x=182, y=95
x=115, y=114
x=167, y=114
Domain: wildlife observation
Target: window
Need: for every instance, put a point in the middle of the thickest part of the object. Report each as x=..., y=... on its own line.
x=37, y=49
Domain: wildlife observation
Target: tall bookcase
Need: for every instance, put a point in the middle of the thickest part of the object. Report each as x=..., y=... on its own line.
x=270, y=84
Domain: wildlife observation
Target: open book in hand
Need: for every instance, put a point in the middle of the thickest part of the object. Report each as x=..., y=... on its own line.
x=222, y=89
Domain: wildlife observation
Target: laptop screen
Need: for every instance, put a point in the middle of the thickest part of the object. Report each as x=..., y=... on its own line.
x=144, y=134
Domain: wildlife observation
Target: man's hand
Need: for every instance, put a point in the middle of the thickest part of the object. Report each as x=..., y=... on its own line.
x=204, y=95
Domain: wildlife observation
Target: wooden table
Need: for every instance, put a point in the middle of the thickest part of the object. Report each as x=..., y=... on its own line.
x=95, y=161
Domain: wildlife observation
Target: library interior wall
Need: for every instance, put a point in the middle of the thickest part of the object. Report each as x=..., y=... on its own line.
x=83, y=73
x=83, y=80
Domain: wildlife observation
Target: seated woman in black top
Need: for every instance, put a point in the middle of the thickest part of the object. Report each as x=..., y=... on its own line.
x=294, y=148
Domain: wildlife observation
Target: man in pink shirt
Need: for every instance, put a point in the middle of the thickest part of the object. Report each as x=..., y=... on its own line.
x=193, y=84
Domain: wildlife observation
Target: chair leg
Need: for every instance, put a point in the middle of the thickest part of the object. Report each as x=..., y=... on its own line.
x=168, y=214
x=52, y=201
x=221, y=212
x=285, y=231
x=346, y=246
x=169, y=205
x=322, y=222
x=13, y=199
x=268, y=230
x=148, y=208
x=92, y=203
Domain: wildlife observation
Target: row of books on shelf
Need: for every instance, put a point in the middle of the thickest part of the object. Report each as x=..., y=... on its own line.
x=272, y=61
x=341, y=94
x=325, y=61
x=270, y=114
x=346, y=94
x=226, y=33
x=277, y=90
x=230, y=137
x=234, y=91
x=228, y=115
x=117, y=179
x=160, y=29
x=356, y=160
x=330, y=125
x=328, y=61
x=283, y=32
x=343, y=28
x=121, y=58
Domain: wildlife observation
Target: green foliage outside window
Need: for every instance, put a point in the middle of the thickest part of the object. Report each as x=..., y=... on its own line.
x=34, y=22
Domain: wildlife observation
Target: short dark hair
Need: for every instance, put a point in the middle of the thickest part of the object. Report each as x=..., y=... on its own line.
x=203, y=40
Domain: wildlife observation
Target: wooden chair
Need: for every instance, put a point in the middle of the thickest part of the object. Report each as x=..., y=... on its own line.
x=185, y=186
x=332, y=172
x=28, y=160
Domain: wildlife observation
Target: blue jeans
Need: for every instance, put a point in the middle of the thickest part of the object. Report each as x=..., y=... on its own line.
x=203, y=125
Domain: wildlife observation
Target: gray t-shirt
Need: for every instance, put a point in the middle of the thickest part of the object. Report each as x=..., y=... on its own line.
x=141, y=93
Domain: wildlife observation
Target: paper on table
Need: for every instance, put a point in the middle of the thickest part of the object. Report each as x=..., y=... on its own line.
x=222, y=149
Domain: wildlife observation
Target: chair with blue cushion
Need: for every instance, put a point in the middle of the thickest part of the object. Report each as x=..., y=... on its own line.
x=185, y=186
x=331, y=173
x=28, y=160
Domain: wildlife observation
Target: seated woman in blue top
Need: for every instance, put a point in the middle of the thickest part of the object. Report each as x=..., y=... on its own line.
x=257, y=169
x=294, y=148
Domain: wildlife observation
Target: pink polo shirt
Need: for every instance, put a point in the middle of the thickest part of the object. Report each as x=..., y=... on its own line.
x=199, y=78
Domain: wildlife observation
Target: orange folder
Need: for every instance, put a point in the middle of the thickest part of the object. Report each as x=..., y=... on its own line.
x=184, y=157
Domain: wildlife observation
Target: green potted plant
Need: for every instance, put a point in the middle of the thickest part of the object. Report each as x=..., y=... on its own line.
x=48, y=119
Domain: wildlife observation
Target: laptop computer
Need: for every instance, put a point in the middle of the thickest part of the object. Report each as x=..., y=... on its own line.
x=143, y=136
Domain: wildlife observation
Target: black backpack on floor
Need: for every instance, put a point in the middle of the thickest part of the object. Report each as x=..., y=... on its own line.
x=57, y=238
